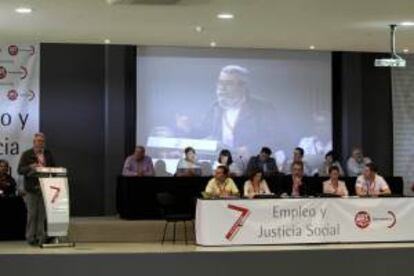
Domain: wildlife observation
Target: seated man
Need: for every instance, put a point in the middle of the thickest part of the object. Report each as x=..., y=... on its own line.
x=298, y=155
x=7, y=183
x=221, y=185
x=263, y=162
x=356, y=163
x=370, y=183
x=138, y=164
x=293, y=185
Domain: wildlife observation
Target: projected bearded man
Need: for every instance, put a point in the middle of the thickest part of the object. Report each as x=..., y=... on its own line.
x=239, y=120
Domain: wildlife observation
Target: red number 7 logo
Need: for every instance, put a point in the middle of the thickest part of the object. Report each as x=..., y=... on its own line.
x=239, y=222
x=56, y=194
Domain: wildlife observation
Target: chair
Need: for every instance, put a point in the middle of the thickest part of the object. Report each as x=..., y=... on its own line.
x=170, y=212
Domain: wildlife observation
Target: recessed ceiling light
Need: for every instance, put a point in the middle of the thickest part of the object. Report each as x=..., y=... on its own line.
x=23, y=10
x=407, y=23
x=312, y=47
x=225, y=16
x=406, y=50
x=199, y=29
x=213, y=44
x=107, y=41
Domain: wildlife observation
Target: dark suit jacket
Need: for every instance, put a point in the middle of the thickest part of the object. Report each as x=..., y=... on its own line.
x=257, y=126
x=287, y=183
x=31, y=182
x=256, y=164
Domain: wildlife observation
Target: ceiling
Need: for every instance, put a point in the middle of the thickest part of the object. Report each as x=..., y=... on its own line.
x=353, y=25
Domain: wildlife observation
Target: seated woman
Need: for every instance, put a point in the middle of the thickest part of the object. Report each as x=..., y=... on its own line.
x=7, y=183
x=256, y=185
x=221, y=185
x=225, y=159
x=370, y=183
x=330, y=161
x=333, y=185
x=189, y=165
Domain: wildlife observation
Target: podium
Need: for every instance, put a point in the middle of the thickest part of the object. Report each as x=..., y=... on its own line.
x=55, y=190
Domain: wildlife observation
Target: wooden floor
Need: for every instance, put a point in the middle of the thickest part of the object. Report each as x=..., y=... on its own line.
x=114, y=229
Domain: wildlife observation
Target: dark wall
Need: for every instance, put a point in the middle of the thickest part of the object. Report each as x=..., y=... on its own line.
x=362, y=108
x=83, y=112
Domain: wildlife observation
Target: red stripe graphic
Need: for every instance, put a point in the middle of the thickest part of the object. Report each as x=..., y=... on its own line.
x=56, y=195
x=239, y=222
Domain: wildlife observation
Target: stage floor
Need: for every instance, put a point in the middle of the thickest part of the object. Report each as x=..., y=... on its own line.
x=20, y=247
x=379, y=259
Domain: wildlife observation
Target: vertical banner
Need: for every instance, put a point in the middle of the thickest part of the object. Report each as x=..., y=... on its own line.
x=403, y=121
x=19, y=100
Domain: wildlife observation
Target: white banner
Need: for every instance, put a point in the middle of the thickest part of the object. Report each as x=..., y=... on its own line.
x=292, y=221
x=19, y=100
x=56, y=198
x=403, y=122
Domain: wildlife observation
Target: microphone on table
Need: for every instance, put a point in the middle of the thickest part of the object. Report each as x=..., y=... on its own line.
x=242, y=163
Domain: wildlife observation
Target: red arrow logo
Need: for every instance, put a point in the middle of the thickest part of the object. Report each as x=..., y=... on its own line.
x=56, y=194
x=244, y=213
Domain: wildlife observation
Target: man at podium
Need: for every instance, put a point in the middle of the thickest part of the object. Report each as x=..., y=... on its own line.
x=37, y=156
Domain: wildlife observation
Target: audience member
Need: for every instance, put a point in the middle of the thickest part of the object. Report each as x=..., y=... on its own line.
x=138, y=164
x=7, y=182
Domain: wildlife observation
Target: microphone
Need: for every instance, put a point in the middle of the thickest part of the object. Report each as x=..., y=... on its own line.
x=242, y=163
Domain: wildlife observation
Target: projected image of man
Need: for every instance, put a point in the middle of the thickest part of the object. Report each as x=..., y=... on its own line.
x=238, y=119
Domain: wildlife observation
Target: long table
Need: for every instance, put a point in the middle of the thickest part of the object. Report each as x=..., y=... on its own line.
x=303, y=220
x=137, y=196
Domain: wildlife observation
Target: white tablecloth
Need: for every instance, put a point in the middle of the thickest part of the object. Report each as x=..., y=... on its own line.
x=299, y=220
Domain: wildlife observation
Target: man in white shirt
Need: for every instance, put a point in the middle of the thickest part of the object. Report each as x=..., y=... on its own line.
x=355, y=164
x=370, y=183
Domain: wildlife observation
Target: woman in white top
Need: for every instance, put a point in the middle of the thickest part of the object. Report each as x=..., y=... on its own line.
x=225, y=159
x=189, y=165
x=256, y=185
x=333, y=185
